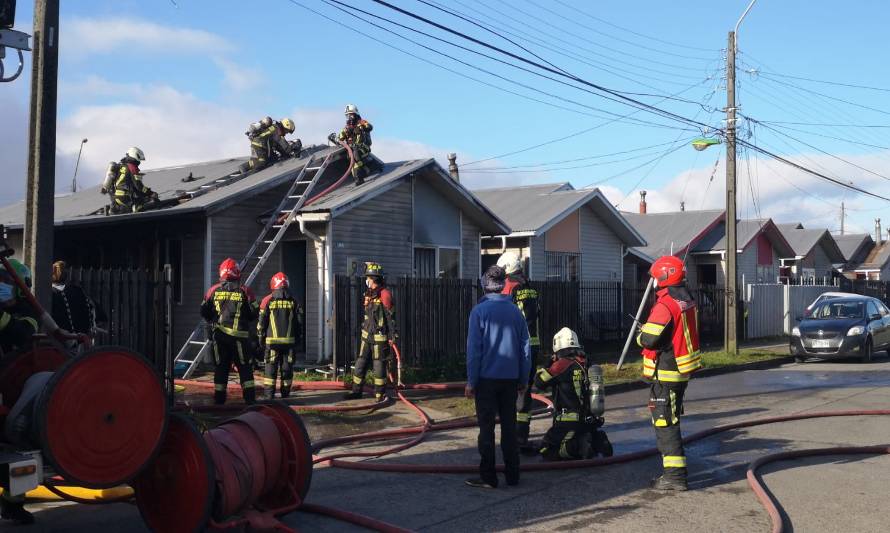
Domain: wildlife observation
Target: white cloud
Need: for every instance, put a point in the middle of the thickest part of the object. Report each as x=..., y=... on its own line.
x=107, y=35
x=238, y=77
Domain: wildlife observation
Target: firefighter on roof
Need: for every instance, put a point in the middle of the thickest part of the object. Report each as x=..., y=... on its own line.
x=279, y=327
x=670, y=355
x=357, y=134
x=130, y=194
x=267, y=142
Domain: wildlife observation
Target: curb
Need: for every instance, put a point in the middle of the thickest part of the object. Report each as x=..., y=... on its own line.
x=706, y=372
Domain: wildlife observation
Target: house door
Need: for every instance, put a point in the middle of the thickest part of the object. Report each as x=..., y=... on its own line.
x=425, y=263
x=293, y=264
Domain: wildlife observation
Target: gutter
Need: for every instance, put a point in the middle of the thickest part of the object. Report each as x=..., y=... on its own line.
x=322, y=273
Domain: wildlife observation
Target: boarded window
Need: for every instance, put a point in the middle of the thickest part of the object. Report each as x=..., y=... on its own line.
x=764, y=250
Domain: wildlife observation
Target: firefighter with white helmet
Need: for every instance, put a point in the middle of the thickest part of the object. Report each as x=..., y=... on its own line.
x=527, y=299
x=577, y=402
x=124, y=182
x=357, y=135
x=670, y=343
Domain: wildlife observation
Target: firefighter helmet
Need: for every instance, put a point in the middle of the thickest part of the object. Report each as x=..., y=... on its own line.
x=565, y=338
x=351, y=110
x=668, y=270
x=136, y=153
x=279, y=281
x=374, y=270
x=288, y=125
x=23, y=272
x=229, y=271
x=510, y=262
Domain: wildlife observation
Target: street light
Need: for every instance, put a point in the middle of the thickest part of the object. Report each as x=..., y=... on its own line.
x=77, y=164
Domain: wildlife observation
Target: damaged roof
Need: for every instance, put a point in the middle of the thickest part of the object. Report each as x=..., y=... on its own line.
x=534, y=209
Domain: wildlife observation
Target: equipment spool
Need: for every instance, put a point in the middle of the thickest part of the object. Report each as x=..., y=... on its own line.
x=175, y=493
x=15, y=369
x=296, y=455
x=102, y=417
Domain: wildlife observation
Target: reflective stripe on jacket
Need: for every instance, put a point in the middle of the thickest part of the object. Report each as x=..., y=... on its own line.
x=230, y=307
x=279, y=320
x=670, y=338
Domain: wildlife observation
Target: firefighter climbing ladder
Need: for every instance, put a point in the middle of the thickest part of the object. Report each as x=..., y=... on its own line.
x=198, y=343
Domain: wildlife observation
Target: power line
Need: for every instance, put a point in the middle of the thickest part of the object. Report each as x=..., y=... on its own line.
x=782, y=122
x=628, y=171
x=547, y=167
x=858, y=143
x=823, y=95
x=826, y=82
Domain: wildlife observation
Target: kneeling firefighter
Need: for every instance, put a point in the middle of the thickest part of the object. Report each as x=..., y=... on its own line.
x=669, y=339
x=578, y=402
x=230, y=308
x=267, y=142
x=279, y=328
x=378, y=330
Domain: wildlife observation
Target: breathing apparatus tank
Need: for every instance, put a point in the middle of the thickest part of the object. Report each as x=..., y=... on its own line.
x=597, y=390
x=110, y=176
x=257, y=127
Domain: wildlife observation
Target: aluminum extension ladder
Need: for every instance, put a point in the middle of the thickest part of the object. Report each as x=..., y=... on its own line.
x=198, y=344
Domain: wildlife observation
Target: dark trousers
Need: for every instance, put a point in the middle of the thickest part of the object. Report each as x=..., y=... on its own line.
x=523, y=415
x=666, y=406
x=226, y=351
x=279, y=356
x=496, y=398
x=379, y=352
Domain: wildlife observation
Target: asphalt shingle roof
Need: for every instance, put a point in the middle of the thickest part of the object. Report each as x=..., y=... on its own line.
x=851, y=243
x=675, y=231
x=877, y=258
x=803, y=240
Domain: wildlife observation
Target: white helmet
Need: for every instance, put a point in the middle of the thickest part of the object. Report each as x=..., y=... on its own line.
x=350, y=110
x=510, y=262
x=136, y=153
x=565, y=338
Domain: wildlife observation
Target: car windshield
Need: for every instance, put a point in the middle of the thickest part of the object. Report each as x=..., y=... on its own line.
x=834, y=309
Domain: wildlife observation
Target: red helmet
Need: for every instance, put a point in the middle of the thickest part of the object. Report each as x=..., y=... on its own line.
x=668, y=270
x=278, y=281
x=229, y=271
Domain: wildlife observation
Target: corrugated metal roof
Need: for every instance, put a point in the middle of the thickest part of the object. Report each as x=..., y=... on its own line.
x=536, y=208
x=672, y=231
x=803, y=240
x=851, y=243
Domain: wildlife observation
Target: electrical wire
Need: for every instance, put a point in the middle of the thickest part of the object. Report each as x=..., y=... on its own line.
x=826, y=82
x=531, y=168
x=655, y=160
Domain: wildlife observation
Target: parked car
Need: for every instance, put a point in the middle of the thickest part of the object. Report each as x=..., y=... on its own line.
x=843, y=326
x=826, y=295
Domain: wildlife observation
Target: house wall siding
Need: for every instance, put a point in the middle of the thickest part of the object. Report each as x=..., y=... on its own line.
x=186, y=315
x=471, y=253
x=817, y=259
x=538, y=262
x=600, y=248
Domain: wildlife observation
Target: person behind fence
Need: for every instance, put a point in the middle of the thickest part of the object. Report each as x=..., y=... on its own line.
x=526, y=298
x=577, y=406
x=279, y=327
x=498, y=361
x=670, y=343
x=72, y=309
x=230, y=308
x=378, y=330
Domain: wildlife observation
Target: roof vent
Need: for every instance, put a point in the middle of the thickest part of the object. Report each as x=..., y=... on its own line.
x=642, y=202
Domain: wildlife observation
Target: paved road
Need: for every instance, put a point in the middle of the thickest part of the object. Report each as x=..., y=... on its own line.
x=820, y=494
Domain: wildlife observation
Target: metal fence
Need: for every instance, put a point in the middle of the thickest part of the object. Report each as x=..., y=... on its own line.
x=136, y=305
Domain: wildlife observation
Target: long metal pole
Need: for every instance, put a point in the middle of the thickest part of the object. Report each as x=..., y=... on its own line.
x=39, y=209
x=76, y=165
x=630, y=334
x=730, y=342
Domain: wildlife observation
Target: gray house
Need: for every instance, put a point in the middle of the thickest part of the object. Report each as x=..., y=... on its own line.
x=855, y=247
x=412, y=217
x=815, y=252
x=561, y=232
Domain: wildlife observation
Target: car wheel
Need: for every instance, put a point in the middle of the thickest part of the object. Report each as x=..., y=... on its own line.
x=867, y=351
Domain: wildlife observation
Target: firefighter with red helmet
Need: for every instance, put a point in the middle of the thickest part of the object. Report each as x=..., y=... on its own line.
x=279, y=328
x=230, y=308
x=378, y=330
x=670, y=343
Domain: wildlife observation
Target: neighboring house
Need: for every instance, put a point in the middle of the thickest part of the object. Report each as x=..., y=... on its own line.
x=815, y=252
x=412, y=217
x=876, y=263
x=561, y=232
x=855, y=247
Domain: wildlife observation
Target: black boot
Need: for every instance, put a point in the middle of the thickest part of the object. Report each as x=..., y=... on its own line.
x=354, y=395
x=249, y=395
x=219, y=397
x=668, y=482
x=15, y=511
x=285, y=392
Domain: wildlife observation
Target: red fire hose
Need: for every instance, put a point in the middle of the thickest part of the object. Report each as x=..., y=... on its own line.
x=339, y=181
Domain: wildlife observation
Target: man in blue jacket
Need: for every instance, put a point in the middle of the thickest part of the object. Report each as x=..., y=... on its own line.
x=498, y=365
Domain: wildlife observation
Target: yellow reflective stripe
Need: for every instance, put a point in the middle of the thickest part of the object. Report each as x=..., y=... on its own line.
x=661, y=423
x=673, y=397
x=280, y=340
x=567, y=417
x=379, y=381
x=357, y=380
x=364, y=334
x=237, y=317
x=673, y=461
x=544, y=375
x=563, y=446
x=379, y=338
x=686, y=359
x=692, y=364
x=665, y=375
x=31, y=321
x=640, y=342
x=652, y=328
x=4, y=320
x=523, y=417
x=534, y=341
x=686, y=336
x=233, y=332
x=248, y=384
x=268, y=382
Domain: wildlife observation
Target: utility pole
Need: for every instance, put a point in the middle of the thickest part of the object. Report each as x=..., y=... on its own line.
x=843, y=215
x=730, y=342
x=39, y=207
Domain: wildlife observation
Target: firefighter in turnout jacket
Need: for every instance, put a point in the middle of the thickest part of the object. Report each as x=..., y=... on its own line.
x=378, y=330
x=230, y=307
x=130, y=193
x=279, y=327
x=574, y=433
x=669, y=339
x=267, y=141
x=357, y=134
x=526, y=299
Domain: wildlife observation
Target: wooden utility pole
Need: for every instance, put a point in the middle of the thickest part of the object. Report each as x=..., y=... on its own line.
x=39, y=207
x=730, y=342
x=843, y=216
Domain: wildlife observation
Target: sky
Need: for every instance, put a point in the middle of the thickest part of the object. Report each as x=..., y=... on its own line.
x=182, y=79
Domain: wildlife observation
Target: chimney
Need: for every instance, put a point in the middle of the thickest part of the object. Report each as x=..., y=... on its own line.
x=682, y=206
x=642, y=202
x=878, y=235
x=452, y=167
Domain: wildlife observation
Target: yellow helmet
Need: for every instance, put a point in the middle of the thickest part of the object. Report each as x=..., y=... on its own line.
x=374, y=269
x=565, y=338
x=288, y=125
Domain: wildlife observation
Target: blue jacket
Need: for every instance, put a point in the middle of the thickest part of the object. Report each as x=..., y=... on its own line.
x=497, y=341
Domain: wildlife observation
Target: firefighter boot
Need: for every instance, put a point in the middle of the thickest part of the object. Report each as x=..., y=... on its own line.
x=15, y=511
x=249, y=394
x=672, y=479
x=219, y=397
x=356, y=394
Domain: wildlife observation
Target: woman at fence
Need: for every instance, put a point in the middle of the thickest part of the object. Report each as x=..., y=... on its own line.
x=378, y=330
x=72, y=309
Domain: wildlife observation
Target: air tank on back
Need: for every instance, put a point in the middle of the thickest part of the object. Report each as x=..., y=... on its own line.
x=597, y=390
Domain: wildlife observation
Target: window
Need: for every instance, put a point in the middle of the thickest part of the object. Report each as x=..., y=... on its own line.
x=433, y=262
x=707, y=274
x=449, y=263
x=425, y=262
x=872, y=310
x=563, y=266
